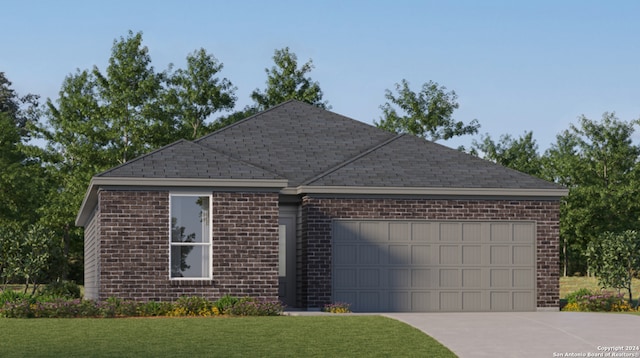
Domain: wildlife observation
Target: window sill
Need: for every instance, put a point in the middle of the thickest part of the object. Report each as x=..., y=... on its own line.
x=194, y=282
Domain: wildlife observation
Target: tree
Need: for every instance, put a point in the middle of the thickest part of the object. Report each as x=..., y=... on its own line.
x=286, y=81
x=22, y=179
x=598, y=162
x=195, y=93
x=614, y=259
x=427, y=114
x=520, y=154
x=105, y=118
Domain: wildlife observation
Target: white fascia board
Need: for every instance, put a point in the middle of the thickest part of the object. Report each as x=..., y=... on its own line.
x=355, y=190
x=91, y=197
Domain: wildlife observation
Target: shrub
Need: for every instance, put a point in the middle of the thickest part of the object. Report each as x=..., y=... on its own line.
x=11, y=296
x=253, y=307
x=152, y=308
x=337, y=307
x=65, y=289
x=224, y=303
x=193, y=306
x=588, y=301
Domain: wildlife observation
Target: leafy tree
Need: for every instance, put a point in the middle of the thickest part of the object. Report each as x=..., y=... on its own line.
x=519, y=154
x=598, y=162
x=105, y=118
x=287, y=81
x=195, y=93
x=614, y=259
x=22, y=179
x=427, y=114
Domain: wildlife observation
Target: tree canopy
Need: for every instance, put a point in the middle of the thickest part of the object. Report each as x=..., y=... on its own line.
x=427, y=113
x=286, y=80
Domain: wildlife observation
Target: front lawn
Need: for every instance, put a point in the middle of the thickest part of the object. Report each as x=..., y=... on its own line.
x=284, y=336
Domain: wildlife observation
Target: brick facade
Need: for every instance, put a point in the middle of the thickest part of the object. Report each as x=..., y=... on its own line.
x=134, y=247
x=317, y=214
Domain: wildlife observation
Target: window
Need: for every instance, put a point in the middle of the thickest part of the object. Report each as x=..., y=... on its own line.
x=190, y=255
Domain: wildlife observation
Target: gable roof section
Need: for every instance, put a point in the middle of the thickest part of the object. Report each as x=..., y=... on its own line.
x=409, y=161
x=296, y=140
x=184, y=159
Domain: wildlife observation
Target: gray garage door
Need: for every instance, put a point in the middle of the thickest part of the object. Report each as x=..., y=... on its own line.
x=426, y=266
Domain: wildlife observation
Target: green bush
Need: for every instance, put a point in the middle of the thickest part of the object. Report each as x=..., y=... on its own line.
x=252, y=307
x=153, y=308
x=64, y=289
x=16, y=305
x=588, y=301
x=192, y=306
x=224, y=303
x=574, y=296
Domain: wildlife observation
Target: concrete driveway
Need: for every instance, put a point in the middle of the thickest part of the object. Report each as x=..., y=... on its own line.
x=531, y=334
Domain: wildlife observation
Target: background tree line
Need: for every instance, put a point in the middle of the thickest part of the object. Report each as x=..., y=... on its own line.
x=105, y=117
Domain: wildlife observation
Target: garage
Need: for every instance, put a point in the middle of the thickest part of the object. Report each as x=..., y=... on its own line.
x=434, y=266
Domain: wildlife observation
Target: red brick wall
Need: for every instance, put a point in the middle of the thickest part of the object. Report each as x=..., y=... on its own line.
x=317, y=214
x=134, y=247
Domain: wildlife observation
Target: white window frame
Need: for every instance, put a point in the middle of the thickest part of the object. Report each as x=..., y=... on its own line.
x=208, y=251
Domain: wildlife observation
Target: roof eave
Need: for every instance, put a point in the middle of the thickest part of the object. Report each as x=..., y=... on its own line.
x=91, y=197
x=480, y=192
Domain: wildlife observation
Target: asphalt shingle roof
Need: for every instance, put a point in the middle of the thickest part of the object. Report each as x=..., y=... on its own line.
x=184, y=159
x=310, y=146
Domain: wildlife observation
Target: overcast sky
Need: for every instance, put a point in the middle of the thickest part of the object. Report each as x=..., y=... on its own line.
x=515, y=65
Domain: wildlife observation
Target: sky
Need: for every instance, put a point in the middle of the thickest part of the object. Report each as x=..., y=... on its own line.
x=516, y=66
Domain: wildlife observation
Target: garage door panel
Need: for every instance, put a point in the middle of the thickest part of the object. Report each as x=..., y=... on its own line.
x=399, y=255
x=369, y=278
x=421, y=232
x=471, y=278
x=472, y=255
x=449, y=255
x=369, y=301
x=500, y=278
x=500, y=232
x=399, y=278
x=500, y=301
x=523, y=278
x=424, y=266
x=399, y=301
x=399, y=231
x=421, y=302
x=421, y=278
x=450, y=232
x=471, y=232
x=450, y=301
x=347, y=255
x=523, y=255
x=522, y=300
x=345, y=278
x=472, y=301
x=449, y=278
x=368, y=255
x=421, y=255
x=500, y=255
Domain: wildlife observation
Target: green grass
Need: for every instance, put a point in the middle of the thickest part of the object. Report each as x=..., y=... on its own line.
x=284, y=336
x=570, y=284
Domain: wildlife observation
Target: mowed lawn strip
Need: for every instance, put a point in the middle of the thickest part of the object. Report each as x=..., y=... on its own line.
x=284, y=336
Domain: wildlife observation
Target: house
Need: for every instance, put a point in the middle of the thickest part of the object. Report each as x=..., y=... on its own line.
x=311, y=207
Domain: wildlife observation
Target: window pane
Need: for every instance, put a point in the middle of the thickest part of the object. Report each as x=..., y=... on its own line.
x=190, y=261
x=190, y=219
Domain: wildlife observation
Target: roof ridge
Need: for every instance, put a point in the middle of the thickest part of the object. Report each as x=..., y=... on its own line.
x=353, y=159
x=243, y=120
x=236, y=159
x=138, y=158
